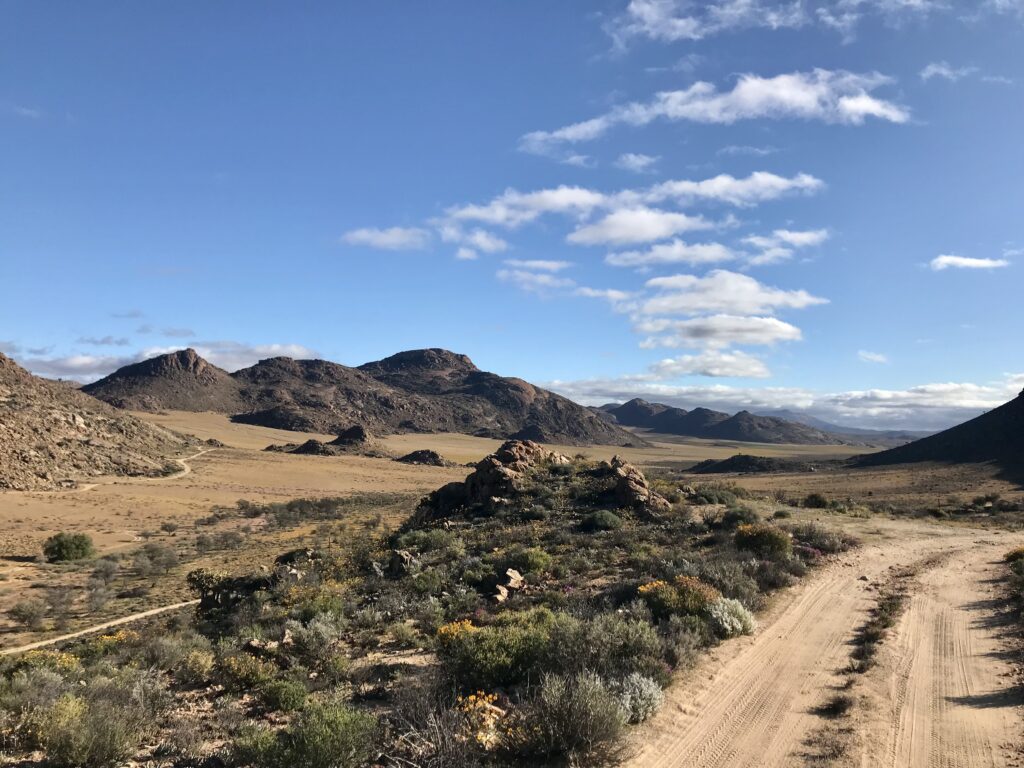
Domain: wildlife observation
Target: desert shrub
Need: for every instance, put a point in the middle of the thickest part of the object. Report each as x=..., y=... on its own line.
x=639, y=696
x=610, y=644
x=782, y=514
x=574, y=718
x=682, y=640
x=435, y=726
x=527, y=560
x=317, y=640
x=822, y=539
x=242, y=672
x=717, y=493
x=735, y=516
x=683, y=595
x=65, y=547
x=1014, y=555
x=602, y=520
x=499, y=655
x=196, y=668
x=770, y=575
x=105, y=570
x=815, y=501
x=764, y=540
x=284, y=695
x=254, y=745
x=837, y=706
x=729, y=618
x=29, y=613
x=326, y=735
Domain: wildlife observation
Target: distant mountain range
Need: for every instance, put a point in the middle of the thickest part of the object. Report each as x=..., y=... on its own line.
x=996, y=436
x=895, y=435
x=702, y=422
x=52, y=435
x=425, y=390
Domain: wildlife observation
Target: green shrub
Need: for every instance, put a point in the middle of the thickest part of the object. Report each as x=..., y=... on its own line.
x=1014, y=555
x=573, y=718
x=66, y=547
x=738, y=516
x=242, y=672
x=822, y=539
x=527, y=560
x=499, y=655
x=602, y=520
x=764, y=540
x=611, y=644
x=327, y=735
x=284, y=695
x=815, y=501
x=683, y=595
x=30, y=613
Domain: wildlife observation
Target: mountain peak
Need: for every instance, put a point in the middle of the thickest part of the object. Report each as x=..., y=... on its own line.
x=432, y=359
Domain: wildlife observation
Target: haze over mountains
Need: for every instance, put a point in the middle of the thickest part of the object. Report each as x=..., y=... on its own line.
x=427, y=390
x=51, y=434
x=705, y=423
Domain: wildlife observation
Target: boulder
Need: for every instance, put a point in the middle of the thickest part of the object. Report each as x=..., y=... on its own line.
x=632, y=490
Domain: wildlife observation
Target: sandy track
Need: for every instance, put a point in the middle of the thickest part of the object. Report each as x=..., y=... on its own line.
x=97, y=628
x=751, y=704
x=943, y=694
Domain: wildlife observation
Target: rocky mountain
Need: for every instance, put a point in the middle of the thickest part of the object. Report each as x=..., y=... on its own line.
x=52, y=435
x=427, y=390
x=702, y=422
x=996, y=436
x=891, y=437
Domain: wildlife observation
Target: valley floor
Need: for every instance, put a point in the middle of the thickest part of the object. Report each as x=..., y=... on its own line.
x=945, y=692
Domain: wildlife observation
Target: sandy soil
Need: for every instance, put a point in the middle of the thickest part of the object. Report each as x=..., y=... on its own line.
x=945, y=697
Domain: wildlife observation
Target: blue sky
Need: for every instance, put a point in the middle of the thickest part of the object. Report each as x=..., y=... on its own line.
x=732, y=204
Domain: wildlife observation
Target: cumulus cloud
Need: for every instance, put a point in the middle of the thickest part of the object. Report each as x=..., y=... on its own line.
x=465, y=254
x=724, y=292
x=636, y=225
x=780, y=245
x=715, y=331
x=638, y=163
x=871, y=357
x=746, y=149
x=949, y=261
x=758, y=187
x=77, y=367
x=826, y=95
x=943, y=70
x=673, y=252
x=712, y=363
x=475, y=239
x=513, y=208
x=390, y=239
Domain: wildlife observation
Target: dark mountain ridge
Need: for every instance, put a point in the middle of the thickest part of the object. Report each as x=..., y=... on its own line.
x=996, y=436
x=705, y=423
x=427, y=390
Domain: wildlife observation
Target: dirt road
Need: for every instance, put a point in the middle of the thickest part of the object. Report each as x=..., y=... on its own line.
x=97, y=628
x=944, y=698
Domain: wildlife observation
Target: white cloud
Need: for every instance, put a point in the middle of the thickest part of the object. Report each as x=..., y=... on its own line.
x=391, y=239
x=745, y=149
x=537, y=282
x=715, y=331
x=26, y=112
x=539, y=265
x=636, y=225
x=475, y=240
x=465, y=254
x=612, y=295
x=712, y=363
x=780, y=244
x=871, y=357
x=77, y=367
x=104, y=341
x=928, y=406
x=829, y=96
x=943, y=70
x=722, y=292
x=948, y=261
x=670, y=21
x=638, y=163
x=233, y=355
x=513, y=208
x=673, y=252
x=758, y=187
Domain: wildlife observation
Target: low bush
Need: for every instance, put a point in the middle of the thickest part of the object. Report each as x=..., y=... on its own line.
x=326, y=735
x=683, y=595
x=1014, y=555
x=30, y=613
x=736, y=516
x=65, y=547
x=764, y=540
x=284, y=695
x=729, y=618
x=574, y=718
x=602, y=520
x=639, y=696
x=815, y=501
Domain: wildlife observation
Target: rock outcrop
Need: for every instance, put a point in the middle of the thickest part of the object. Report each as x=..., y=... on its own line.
x=632, y=489
x=426, y=458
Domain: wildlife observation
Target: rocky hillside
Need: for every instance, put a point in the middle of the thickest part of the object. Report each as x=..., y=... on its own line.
x=429, y=390
x=996, y=436
x=52, y=435
x=702, y=422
